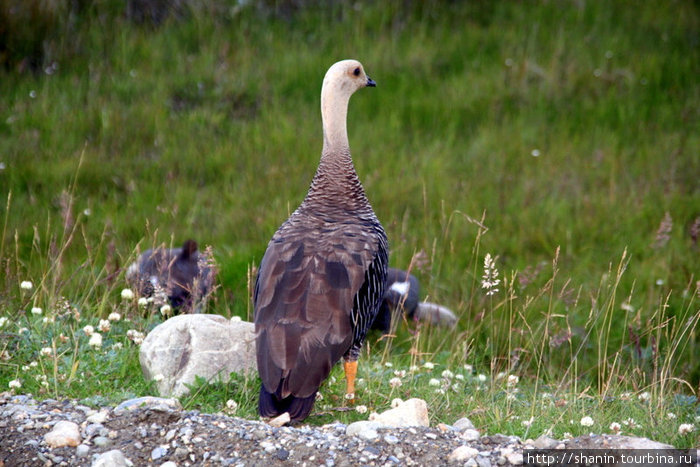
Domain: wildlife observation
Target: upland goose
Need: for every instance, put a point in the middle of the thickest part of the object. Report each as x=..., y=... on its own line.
x=182, y=276
x=402, y=296
x=322, y=278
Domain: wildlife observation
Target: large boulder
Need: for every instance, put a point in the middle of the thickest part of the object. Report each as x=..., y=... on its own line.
x=186, y=346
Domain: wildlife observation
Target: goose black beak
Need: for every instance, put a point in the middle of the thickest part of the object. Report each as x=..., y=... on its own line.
x=371, y=83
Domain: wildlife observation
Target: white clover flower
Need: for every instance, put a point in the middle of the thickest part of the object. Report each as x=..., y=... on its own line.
x=512, y=380
x=3, y=321
x=615, y=427
x=395, y=382
x=232, y=406
x=88, y=330
x=482, y=378
x=671, y=415
x=527, y=423
x=104, y=325
x=158, y=377
x=15, y=384
x=468, y=368
x=685, y=428
x=114, y=316
x=117, y=345
x=428, y=365
x=127, y=294
x=400, y=373
x=319, y=396
x=48, y=319
x=26, y=285
x=135, y=336
x=644, y=397
x=33, y=364
x=535, y=153
x=95, y=340
x=396, y=402
x=36, y=311
x=388, y=364
x=459, y=376
x=440, y=391
x=587, y=421
x=434, y=382
x=447, y=374
x=627, y=306
x=236, y=319
x=361, y=409
x=143, y=301
x=46, y=352
x=166, y=310
x=413, y=368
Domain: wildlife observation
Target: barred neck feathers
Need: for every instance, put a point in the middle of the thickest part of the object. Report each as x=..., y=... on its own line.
x=336, y=174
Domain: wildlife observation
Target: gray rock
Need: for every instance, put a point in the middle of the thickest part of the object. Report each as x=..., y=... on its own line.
x=470, y=435
x=156, y=403
x=462, y=454
x=413, y=412
x=186, y=346
x=364, y=429
x=113, y=458
x=463, y=424
x=614, y=442
x=545, y=442
x=82, y=450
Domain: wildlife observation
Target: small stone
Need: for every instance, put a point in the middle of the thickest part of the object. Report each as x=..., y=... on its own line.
x=470, y=434
x=463, y=424
x=462, y=454
x=364, y=429
x=101, y=441
x=413, y=412
x=168, y=464
x=282, y=454
x=391, y=439
x=515, y=458
x=158, y=452
x=64, y=433
x=280, y=420
x=156, y=403
x=545, y=442
x=483, y=461
x=97, y=417
x=82, y=450
x=113, y=458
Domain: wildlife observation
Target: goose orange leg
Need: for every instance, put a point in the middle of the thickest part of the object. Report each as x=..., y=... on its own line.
x=350, y=368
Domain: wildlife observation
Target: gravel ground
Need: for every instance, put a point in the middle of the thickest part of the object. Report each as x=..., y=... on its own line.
x=158, y=433
x=155, y=435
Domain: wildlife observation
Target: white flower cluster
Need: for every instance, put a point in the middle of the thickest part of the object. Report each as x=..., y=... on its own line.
x=490, y=280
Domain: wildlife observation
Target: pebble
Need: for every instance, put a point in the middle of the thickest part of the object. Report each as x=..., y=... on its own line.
x=113, y=458
x=463, y=424
x=82, y=450
x=64, y=433
x=462, y=454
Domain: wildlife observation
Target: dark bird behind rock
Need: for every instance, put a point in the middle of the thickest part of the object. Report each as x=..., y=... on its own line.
x=323, y=275
x=182, y=276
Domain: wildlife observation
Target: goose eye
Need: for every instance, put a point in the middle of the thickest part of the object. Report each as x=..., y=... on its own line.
x=356, y=71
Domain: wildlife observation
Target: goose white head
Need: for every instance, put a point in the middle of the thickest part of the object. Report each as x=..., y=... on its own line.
x=341, y=81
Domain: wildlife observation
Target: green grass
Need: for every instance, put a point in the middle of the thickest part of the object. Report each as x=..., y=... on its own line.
x=208, y=127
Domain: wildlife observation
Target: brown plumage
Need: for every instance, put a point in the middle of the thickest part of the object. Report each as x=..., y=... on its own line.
x=323, y=275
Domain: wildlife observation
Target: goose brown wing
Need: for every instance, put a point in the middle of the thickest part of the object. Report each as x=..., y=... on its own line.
x=304, y=299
